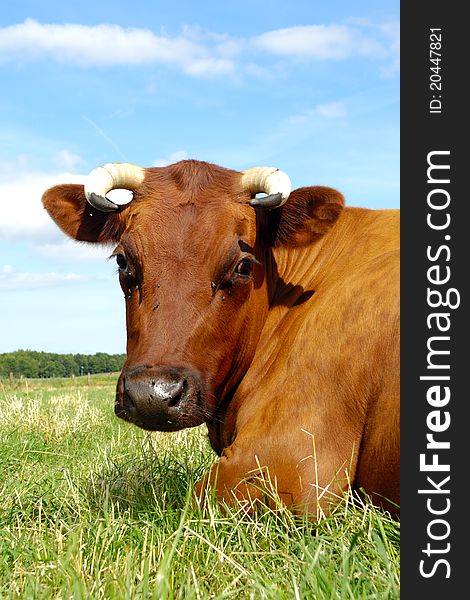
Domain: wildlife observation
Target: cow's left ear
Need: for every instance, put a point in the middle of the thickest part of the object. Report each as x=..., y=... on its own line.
x=307, y=215
x=68, y=207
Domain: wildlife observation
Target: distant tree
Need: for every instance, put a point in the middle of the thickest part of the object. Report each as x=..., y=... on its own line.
x=30, y=363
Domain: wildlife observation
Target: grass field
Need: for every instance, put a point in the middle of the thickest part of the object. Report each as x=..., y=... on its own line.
x=91, y=507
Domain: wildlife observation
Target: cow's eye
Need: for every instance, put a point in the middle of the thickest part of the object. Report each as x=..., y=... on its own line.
x=121, y=262
x=244, y=267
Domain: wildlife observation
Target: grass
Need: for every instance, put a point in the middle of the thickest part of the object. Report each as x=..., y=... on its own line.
x=91, y=507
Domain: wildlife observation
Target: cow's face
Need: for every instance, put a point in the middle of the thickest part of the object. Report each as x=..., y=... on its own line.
x=195, y=301
x=191, y=257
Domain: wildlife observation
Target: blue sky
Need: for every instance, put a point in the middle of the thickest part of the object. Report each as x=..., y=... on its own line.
x=309, y=87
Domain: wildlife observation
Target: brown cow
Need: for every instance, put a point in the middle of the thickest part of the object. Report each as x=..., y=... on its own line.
x=274, y=322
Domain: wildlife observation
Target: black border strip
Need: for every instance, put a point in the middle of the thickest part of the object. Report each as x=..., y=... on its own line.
x=434, y=223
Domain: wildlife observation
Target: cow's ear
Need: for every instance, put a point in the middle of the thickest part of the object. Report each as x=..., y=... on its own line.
x=67, y=206
x=307, y=215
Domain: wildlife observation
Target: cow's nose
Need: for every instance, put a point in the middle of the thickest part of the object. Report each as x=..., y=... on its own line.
x=154, y=393
x=156, y=398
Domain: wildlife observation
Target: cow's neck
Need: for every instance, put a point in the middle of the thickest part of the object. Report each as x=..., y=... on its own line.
x=295, y=273
x=357, y=236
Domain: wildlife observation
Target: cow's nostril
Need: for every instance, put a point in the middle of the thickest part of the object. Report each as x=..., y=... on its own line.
x=129, y=403
x=169, y=392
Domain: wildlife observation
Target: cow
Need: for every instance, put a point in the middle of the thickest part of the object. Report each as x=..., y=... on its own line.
x=272, y=318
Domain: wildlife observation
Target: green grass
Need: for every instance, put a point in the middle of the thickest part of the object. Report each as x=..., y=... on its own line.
x=91, y=507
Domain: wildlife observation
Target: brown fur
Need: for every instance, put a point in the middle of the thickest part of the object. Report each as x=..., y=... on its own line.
x=299, y=365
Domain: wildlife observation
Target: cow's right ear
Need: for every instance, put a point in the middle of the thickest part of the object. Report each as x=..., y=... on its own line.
x=69, y=209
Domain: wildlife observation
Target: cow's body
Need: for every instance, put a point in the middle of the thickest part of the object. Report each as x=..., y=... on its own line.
x=292, y=361
x=324, y=380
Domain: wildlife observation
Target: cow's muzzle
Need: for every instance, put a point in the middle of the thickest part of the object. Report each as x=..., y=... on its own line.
x=161, y=398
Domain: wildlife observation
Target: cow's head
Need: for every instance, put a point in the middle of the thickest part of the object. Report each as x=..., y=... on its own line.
x=192, y=249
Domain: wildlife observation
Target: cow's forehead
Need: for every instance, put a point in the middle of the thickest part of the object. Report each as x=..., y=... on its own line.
x=193, y=181
x=207, y=229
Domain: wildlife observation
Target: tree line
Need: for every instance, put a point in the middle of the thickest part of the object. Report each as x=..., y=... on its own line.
x=30, y=363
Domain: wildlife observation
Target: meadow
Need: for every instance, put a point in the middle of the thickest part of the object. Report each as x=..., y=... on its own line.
x=91, y=507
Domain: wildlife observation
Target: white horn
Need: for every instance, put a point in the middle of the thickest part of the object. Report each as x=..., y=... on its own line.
x=269, y=180
x=110, y=177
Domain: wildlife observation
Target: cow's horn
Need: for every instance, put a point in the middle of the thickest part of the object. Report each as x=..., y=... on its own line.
x=110, y=177
x=269, y=180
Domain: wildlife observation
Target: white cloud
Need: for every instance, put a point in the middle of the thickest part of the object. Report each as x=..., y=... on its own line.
x=172, y=158
x=331, y=42
x=22, y=215
x=71, y=251
x=313, y=41
x=21, y=163
x=209, y=66
x=66, y=159
x=107, y=45
x=10, y=279
x=225, y=45
x=195, y=51
x=329, y=110
x=391, y=30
